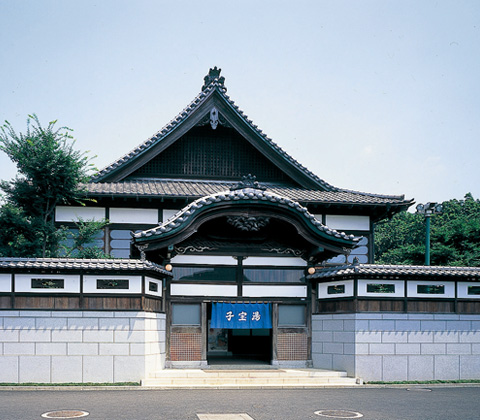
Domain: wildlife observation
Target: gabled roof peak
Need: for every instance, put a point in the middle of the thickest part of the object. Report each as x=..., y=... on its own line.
x=213, y=77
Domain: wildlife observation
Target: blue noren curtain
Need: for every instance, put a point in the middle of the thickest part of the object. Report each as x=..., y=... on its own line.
x=241, y=315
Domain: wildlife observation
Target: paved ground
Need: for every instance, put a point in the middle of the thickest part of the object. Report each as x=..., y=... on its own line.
x=374, y=404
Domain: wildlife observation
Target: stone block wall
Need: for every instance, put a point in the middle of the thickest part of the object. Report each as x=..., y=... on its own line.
x=80, y=346
x=398, y=347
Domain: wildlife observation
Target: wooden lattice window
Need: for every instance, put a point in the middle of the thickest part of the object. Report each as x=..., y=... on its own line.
x=209, y=154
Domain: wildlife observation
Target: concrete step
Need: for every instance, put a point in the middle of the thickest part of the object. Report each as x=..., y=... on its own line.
x=199, y=373
x=280, y=378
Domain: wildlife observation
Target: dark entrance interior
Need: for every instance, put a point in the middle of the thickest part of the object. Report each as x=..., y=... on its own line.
x=239, y=347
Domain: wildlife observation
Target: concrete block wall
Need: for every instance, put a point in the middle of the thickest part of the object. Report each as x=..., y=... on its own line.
x=398, y=347
x=83, y=346
x=333, y=342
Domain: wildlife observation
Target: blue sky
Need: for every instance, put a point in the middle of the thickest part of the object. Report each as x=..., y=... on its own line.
x=377, y=96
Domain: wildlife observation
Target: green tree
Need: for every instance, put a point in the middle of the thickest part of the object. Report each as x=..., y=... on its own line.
x=400, y=240
x=81, y=241
x=50, y=172
x=454, y=234
x=17, y=233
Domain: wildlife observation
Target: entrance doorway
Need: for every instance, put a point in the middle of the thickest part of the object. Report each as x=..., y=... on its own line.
x=239, y=346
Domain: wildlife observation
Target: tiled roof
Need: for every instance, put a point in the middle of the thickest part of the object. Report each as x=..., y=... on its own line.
x=364, y=270
x=215, y=84
x=239, y=195
x=196, y=189
x=81, y=264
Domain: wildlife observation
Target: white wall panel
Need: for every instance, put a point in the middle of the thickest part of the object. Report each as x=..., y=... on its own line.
x=274, y=291
x=275, y=261
x=132, y=215
x=23, y=283
x=323, y=289
x=462, y=291
x=412, y=289
x=90, y=284
x=167, y=213
x=5, y=283
x=399, y=288
x=72, y=213
x=203, y=259
x=157, y=282
x=190, y=289
x=345, y=222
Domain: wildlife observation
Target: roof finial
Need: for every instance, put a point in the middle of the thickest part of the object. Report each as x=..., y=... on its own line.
x=248, y=181
x=213, y=74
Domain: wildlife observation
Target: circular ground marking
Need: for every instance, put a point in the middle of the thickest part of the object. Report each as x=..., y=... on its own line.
x=420, y=389
x=65, y=414
x=339, y=414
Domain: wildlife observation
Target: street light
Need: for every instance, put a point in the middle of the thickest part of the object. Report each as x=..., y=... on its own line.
x=428, y=210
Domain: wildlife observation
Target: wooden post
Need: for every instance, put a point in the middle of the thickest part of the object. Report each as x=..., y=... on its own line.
x=204, y=323
x=274, y=333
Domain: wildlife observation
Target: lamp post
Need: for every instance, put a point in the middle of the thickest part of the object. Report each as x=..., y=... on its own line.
x=428, y=210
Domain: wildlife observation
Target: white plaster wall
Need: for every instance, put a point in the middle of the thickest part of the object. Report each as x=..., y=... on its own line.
x=133, y=215
x=323, y=289
x=157, y=282
x=274, y=261
x=23, y=283
x=73, y=213
x=398, y=347
x=90, y=284
x=5, y=283
x=83, y=346
x=274, y=291
x=167, y=213
x=339, y=222
x=189, y=289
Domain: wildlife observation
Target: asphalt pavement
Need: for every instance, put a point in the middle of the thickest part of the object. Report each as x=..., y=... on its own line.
x=403, y=403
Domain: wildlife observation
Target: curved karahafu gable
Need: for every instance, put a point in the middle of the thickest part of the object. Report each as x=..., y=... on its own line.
x=247, y=200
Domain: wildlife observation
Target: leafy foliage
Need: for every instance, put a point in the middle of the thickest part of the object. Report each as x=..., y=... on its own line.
x=454, y=234
x=83, y=240
x=18, y=233
x=50, y=172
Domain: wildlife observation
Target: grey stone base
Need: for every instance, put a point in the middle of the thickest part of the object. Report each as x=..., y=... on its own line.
x=398, y=347
x=80, y=346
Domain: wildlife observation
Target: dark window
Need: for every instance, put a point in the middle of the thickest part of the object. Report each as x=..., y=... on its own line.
x=292, y=315
x=436, y=289
x=338, y=288
x=48, y=284
x=112, y=284
x=185, y=314
x=204, y=273
x=152, y=287
x=380, y=288
x=273, y=275
x=474, y=290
